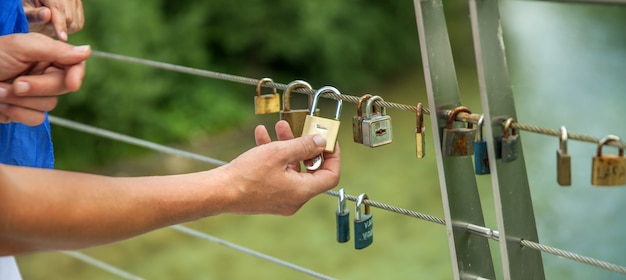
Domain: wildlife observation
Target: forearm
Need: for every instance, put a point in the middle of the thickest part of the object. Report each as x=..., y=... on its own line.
x=52, y=209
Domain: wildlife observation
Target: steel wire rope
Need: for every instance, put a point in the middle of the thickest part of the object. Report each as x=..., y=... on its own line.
x=157, y=147
x=349, y=98
x=102, y=265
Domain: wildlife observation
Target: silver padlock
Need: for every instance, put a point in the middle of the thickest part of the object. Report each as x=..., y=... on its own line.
x=328, y=128
x=376, y=128
x=458, y=141
x=510, y=142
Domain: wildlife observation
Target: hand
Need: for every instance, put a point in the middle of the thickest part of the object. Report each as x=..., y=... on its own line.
x=268, y=177
x=34, y=69
x=54, y=17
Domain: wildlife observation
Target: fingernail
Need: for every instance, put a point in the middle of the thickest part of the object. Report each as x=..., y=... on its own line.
x=319, y=140
x=63, y=36
x=21, y=87
x=3, y=92
x=82, y=49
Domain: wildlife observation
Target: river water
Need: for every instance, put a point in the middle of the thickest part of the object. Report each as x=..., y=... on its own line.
x=568, y=67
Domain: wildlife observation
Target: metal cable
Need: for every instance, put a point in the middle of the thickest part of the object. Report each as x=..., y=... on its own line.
x=213, y=239
x=394, y=209
x=557, y=133
x=573, y=256
x=102, y=265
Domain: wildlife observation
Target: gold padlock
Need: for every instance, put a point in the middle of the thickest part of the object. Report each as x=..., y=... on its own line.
x=563, y=161
x=266, y=103
x=357, y=126
x=328, y=128
x=295, y=117
x=420, y=132
x=608, y=170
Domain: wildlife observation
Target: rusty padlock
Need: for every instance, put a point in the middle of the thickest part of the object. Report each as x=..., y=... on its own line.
x=608, y=170
x=296, y=117
x=458, y=141
x=266, y=103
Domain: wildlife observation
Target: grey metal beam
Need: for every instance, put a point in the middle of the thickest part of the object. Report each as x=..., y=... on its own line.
x=470, y=254
x=514, y=209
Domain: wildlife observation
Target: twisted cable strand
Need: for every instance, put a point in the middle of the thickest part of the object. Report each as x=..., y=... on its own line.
x=102, y=265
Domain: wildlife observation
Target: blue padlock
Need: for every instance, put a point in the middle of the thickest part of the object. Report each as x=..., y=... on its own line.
x=343, y=219
x=481, y=157
x=363, y=225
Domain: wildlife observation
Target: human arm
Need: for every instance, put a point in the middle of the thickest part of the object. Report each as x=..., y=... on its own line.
x=59, y=210
x=34, y=69
x=54, y=17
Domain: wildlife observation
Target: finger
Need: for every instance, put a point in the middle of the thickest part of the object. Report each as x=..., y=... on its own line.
x=77, y=18
x=34, y=47
x=283, y=131
x=50, y=83
x=42, y=104
x=302, y=148
x=261, y=136
x=58, y=19
x=74, y=76
x=22, y=115
x=38, y=15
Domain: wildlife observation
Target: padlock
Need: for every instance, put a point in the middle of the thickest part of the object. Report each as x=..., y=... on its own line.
x=363, y=225
x=295, y=117
x=563, y=161
x=420, y=132
x=481, y=156
x=357, y=125
x=510, y=142
x=608, y=170
x=328, y=128
x=458, y=141
x=376, y=127
x=266, y=103
x=343, y=219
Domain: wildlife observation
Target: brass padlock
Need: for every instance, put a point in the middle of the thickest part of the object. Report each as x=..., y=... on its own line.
x=357, y=125
x=510, y=142
x=329, y=128
x=458, y=141
x=266, y=103
x=608, y=170
x=295, y=117
x=563, y=161
x=420, y=132
x=376, y=127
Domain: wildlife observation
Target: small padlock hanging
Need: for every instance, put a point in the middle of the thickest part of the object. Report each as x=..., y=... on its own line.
x=608, y=170
x=343, y=219
x=357, y=126
x=295, y=117
x=510, y=142
x=563, y=161
x=376, y=128
x=481, y=155
x=458, y=141
x=327, y=128
x=420, y=132
x=266, y=103
x=363, y=224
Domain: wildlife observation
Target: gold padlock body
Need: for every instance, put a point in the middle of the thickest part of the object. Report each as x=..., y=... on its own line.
x=563, y=168
x=608, y=170
x=420, y=144
x=295, y=119
x=328, y=128
x=267, y=104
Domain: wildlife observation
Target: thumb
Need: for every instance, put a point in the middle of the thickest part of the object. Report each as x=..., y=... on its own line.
x=40, y=48
x=38, y=15
x=304, y=147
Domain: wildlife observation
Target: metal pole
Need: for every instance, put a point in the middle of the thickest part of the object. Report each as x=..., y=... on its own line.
x=470, y=253
x=514, y=209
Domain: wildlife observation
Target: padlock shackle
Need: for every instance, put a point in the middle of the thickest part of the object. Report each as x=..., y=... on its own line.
x=370, y=105
x=456, y=111
x=507, y=127
x=419, y=117
x=359, y=105
x=563, y=139
x=480, y=124
x=287, y=93
x=362, y=197
x=607, y=139
x=342, y=201
x=261, y=82
x=319, y=93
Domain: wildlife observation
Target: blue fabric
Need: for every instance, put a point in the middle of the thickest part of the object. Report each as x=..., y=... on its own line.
x=21, y=144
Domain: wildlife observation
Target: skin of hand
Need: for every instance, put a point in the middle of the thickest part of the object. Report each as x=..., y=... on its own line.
x=34, y=69
x=43, y=209
x=54, y=17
